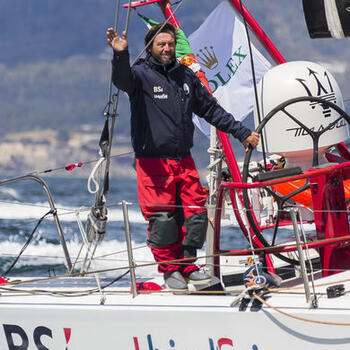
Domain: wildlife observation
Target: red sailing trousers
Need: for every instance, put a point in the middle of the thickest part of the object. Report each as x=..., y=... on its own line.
x=173, y=201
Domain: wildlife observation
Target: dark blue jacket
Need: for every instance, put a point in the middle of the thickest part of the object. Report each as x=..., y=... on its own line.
x=162, y=100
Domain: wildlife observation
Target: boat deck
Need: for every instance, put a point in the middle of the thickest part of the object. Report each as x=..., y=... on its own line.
x=75, y=290
x=157, y=319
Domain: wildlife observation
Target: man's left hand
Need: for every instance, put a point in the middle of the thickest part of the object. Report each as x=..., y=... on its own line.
x=252, y=139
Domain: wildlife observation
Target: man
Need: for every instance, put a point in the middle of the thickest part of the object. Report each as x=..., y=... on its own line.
x=163, y=95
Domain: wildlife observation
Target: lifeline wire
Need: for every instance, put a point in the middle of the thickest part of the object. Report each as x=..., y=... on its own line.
x=151, y=264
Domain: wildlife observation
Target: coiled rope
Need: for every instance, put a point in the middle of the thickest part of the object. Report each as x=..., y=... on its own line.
x=299, y=317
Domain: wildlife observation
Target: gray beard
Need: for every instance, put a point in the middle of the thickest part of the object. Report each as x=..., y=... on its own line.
x=171, y=60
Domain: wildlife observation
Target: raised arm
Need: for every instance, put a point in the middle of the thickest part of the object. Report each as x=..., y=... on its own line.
x=116, y=42
x=122, y=76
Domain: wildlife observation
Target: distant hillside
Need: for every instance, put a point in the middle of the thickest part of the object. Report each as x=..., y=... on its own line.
x=37, y=30
x=54, y=60
x=55, y=63
x=49, y=152
x=41, y=30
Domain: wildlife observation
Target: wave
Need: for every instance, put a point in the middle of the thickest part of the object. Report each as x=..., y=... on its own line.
x=109, y=255
x=13, y=210
x=9, y=193
x=17, y=211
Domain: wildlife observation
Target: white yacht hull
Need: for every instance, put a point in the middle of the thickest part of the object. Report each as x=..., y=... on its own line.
x=165, y=322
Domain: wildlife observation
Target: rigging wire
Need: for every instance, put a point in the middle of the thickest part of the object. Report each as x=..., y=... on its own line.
x=156, y=263
x=65, y=167
x=110, y=87
x=97, y=219
x=103, y=257
x=254, y=81
x=256, y=98
x=27, y=242
x=114, y=109
x=70, y=211
x=98, y=214
x=70, y=293
x=19, y=282
x=151, y=41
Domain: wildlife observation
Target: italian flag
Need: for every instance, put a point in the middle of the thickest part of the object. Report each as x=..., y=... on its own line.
x=183, y=50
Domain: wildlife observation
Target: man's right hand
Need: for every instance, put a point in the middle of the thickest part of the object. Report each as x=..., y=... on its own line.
x=116, y=42
x=252, y=139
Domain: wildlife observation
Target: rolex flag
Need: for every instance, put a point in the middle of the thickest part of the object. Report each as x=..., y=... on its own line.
x=220, y=46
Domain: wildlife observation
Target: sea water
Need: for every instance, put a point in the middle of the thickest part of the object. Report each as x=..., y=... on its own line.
x=22, y=204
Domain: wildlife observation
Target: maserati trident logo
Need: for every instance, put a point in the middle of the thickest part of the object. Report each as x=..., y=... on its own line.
x=324, y=91
x=207, y=58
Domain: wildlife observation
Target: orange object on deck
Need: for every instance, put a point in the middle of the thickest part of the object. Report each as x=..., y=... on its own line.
x=304, y=197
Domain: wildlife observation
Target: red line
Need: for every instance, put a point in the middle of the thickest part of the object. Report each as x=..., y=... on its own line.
x=141, y=3
x=136, y=343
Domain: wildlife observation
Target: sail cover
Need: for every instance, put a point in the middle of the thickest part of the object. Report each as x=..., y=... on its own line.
x=221, y=47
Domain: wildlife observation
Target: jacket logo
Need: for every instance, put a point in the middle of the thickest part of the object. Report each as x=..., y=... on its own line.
x=158, y=93
x=186, y=89
x=157, y=89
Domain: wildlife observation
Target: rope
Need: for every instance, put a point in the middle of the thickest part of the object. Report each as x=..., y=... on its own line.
x=79, y=164
x=70, y=167
x=277, y=290
x=27, y=242
x=101, y=196
x=99, y=257
x=248, y=251
x=92, y=177
x=64, y=293
x=298, y=317
x=183, y=260
x=177, y=261
x=68, y=293
x=274, y=290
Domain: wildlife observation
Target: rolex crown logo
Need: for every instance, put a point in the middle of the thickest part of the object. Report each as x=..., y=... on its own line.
x=207, y=57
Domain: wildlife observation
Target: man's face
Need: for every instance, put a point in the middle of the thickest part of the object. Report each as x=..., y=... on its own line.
x=163, y=48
